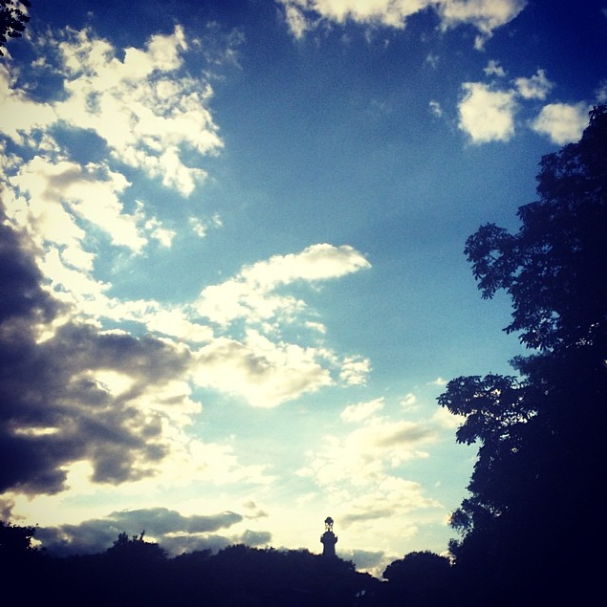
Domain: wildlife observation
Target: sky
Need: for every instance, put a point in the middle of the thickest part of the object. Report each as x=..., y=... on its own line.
x=233, y=280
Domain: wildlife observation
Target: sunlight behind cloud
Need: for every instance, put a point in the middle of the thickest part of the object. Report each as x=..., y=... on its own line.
x=265, y=374
x=91, y=193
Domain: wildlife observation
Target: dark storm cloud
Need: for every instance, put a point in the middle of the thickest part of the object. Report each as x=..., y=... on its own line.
x=52, y=412
x=174, y=532
x=161, y=521
x=21, y=298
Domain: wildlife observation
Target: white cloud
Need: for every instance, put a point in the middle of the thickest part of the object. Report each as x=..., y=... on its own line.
x=19, y=114
x=362, y=411
x=151, y=114
x=445, y=419
x=536, y=87
x=484, y=15
x=175, y=322
x=316, y=326
x=432, y=60
x=435, y=109
x=90, y=193
x=267, y=372
x=384, y=12
x=354, y=370
x=252, y=293
x=263, y=373
x=141, y=108
x=146, y=110
x=561, y=122
x=361, y=477
x=486, y=114
x=367, y=453
x=409, y=401
x=200, y=227
x=494, y=69
x=296, y=20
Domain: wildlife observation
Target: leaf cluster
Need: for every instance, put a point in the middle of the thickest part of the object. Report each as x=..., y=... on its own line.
x=13, y=19
x=553, y=267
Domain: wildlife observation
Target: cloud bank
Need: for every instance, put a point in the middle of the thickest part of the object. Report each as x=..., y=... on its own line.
x=175, y=533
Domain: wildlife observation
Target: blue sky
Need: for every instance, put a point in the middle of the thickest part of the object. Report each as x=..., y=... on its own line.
x=234, y=270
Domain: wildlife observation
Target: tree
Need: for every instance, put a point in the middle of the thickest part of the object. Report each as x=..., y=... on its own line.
x=21, y=561
x=15, y=540
x=551, y=267
x=532, y=514
x=135, y=550
x=13, y=17
x=420, y=578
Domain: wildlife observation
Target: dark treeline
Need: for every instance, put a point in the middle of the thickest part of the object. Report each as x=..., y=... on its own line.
x=531, y=529
x=137, y=572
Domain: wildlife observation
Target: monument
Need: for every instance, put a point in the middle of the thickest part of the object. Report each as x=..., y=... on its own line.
x=328, y=539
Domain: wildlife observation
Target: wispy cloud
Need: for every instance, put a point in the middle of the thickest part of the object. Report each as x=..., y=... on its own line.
x=254, y=294
x=536, y=87
x=361, y=411
x=358, y=466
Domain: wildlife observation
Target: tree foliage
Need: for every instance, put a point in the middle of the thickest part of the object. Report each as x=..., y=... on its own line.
x=552, y=268
x=531, y=508
x=13, y=18
x=15, y=540
x=136, y=572
x=421, y=579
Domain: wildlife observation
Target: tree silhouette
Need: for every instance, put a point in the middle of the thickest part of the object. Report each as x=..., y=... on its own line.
x=421, y=579
x=533, y=516
x=13, y=17
x=134, y=572
x=15, y=540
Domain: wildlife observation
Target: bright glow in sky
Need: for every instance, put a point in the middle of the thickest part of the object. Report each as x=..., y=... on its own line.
x=232, y=258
